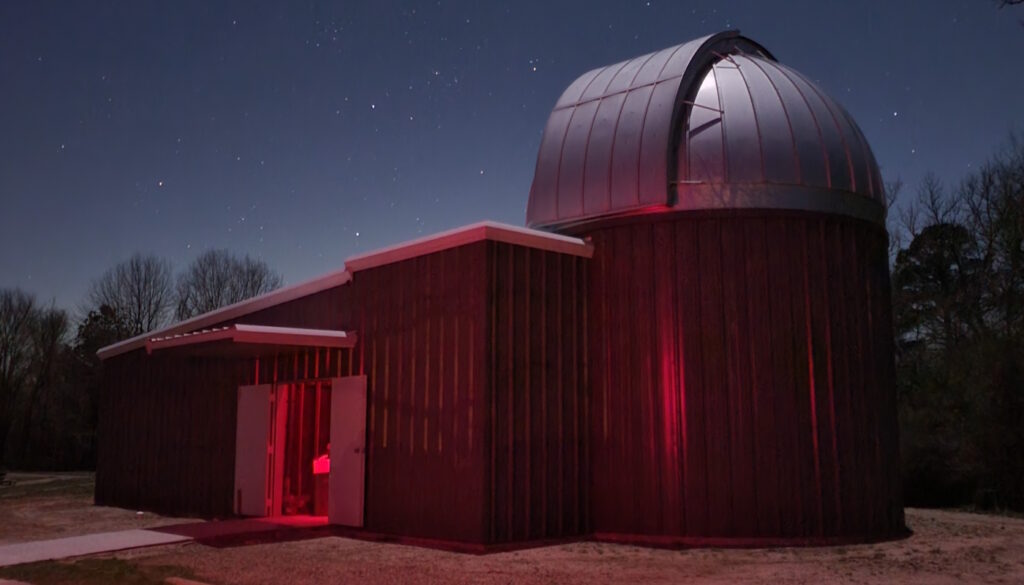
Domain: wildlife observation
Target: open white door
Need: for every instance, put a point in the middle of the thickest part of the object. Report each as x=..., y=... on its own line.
x=253, y=451
x=348, y=451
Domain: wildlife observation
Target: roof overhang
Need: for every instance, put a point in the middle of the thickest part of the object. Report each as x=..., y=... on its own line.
x=485, y=230
x=249, y=340
x=199, y=322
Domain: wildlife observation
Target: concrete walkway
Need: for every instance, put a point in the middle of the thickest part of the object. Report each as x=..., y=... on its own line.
x=75, y=546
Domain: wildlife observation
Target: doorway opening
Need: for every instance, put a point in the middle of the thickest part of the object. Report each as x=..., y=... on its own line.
x=307, y=434
x=283, y=461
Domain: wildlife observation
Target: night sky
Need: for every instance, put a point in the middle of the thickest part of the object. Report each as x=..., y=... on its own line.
x=302, y=133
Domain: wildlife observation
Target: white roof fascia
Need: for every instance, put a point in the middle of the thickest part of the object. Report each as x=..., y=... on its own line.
x=264, y=301
x=485, y=230
x=295, y=335
x=256, y=334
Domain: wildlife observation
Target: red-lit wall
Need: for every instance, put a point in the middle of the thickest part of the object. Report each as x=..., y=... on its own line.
x=166, y=426
x=538, y=457
x=476, y=428
x=742, y=380
x=421, y=329
x=163, y=444
x=475, y=394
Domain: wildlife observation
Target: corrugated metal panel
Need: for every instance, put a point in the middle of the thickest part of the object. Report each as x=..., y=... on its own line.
x=743, y=162
x=476, y=399
x=778, y=129
x=329, y=309
x=538, y=401
x=746, y=394
x=831, y=138
x=578, y=88
x=630, y=132
x=150, y=441
x=549, y=160
x=653, y=160
x=570, y=177
x=778, y=155
x=166, y=423
x=810, y=148
x=473, y=371
x=597, y=196
x=624, y=167
x=167, y=426
x=656, y=131
x=424, y=330
x=705, y=159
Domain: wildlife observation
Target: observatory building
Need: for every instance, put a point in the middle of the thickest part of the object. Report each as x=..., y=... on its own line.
x=689, y=344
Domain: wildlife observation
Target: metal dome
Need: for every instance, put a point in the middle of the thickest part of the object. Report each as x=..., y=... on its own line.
x=710, y=124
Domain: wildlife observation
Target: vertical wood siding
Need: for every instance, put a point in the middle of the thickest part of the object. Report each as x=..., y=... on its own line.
x=166, y=438
x=742, y=379
x=421, y=326
x=167, y=425
x=476, y=369
x=537, y=421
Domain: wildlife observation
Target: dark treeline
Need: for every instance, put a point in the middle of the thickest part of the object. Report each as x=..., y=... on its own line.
x=958, y=302
x=49, y=372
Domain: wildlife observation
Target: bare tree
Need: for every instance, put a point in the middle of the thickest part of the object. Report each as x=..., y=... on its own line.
x=896, y=236
x=1004, y=3
x=17, y=310
x=140, y=290
x=48, y=336
x=217, y=278
x=958, y=308
x=993, y=198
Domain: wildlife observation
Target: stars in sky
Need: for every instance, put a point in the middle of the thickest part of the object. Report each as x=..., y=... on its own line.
x=357, y=125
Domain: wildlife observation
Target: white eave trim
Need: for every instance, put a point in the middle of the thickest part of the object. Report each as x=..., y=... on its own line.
x=256, y=334
x=485, y=230
x=265, y=301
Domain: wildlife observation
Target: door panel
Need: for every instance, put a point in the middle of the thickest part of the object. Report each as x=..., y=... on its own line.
x=253, y=450
x=279, y=416
x=348, y=451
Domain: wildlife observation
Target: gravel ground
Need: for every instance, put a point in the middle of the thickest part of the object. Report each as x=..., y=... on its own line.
x=947, y=547
x=54, y=505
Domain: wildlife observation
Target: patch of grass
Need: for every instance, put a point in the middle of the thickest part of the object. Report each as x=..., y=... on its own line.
x=61, y=486
x=991, y=511
x=93, y=572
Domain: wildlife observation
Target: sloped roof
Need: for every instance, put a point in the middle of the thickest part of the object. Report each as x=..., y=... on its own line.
x=485, y=230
